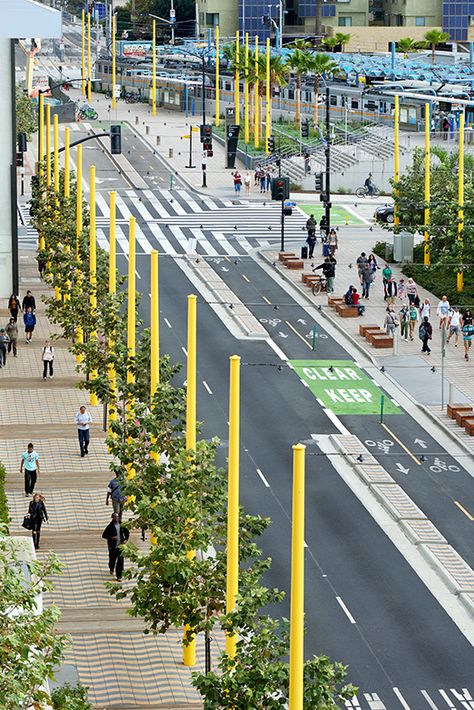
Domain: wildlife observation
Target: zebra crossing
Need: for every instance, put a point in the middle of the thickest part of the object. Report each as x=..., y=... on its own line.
x=180, y=222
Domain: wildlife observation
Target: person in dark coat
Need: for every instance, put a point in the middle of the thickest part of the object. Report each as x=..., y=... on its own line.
x=116, y=535
x=28, y=302
x=425, y=334
x=38, y=515
x=14, y=306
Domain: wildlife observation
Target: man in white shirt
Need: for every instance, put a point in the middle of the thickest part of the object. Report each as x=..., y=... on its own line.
x=454, y=323
x=83, y=421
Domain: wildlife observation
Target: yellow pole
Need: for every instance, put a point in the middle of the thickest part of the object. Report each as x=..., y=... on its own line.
x=93, y=267
x=237, y=80
x=396, y=155
x=131, y=315
x=67, y=176
x=297, y=582
x=41, y=133
x=154, y=333
x=114, y=60
x=256, y=124
x=56, y=153
x=112, y=290
x=232, y=577
x=246, y=90
x=189, y=651
x=460, y=274
x=153, y=76
x=79, y=331
x=89, y=60
x=268, y=126
x=217, y=109
x=83, y=55
x=48, y=146
x=426, y=250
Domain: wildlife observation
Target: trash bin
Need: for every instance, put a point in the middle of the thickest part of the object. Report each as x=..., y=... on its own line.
x=326, y=250
x=304, y=252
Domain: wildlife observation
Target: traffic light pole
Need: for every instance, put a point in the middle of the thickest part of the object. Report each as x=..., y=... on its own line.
x=282, y=242
x=203, y=160
x=328, y=166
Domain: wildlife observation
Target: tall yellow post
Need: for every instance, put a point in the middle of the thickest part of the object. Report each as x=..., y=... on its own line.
x=232, y=577
x=83, y=54
x=268, y=99
x=93, y=267
x=237, y=79
x=246, y=91
x=112, y=290
x=48, y=146
x=114, y=60
x=41, y=133
x=131, y=313
x=153, y=75
x=56, y=151
x=89, y=59
x=256, y=124
x=460, y=274
x=189, y=651
x=217, y=104
x=396, y=155
x=67, y=170
x=79, y=331
x=154, y=333
x=297, y=582
x=426, y=249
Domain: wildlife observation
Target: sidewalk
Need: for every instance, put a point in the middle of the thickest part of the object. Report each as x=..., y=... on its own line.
x=122, y=667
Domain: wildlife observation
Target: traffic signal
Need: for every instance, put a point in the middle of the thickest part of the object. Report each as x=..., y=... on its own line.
x=271, y=144
x=115, y=140
x=280, y=188
x=19, y=160
x=22, y=144
x=318, y=182
x=205, y=133
x=208, y=148
x=305, y=128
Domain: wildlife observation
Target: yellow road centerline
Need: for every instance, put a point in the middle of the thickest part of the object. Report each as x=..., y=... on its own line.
x=266, y=300
x=466, y=512
x=244, y=277
x=400, y=443
x=298, y=334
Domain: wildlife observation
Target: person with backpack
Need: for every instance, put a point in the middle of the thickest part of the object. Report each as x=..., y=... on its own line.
x=47, y=356
x=404, y=317
x=12, y=332
x=29, y=319
x=114, y=493
x=329, y=270
x=386, y=276
x=413, y=319
x=391, y=321
x=425, y=334
x=391, y=290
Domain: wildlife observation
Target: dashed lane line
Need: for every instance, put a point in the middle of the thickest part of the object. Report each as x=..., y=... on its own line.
x=346, y=610
x=263, y=479
x=298, y=334
x=400, y=443
x=463, y=510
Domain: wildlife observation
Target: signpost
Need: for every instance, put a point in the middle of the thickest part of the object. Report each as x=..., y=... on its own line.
x=231, y=138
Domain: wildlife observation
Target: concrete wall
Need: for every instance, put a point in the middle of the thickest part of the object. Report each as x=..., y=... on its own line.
x=431, y=10
x=7, y=118
x=228, y=15
x=377, y=39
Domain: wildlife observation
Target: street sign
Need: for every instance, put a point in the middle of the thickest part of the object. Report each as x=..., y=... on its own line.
x=204, y=157
x=290, y=204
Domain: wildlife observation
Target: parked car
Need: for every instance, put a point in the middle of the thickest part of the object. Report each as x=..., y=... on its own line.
x=385, y=214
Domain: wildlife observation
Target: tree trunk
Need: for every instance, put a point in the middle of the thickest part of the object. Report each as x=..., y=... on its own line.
x=433, y=55
x=318, y=30
x=298, y=99
x=316, y=96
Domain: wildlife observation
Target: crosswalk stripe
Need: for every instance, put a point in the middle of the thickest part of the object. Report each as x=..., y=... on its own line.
x=143, y=241
x=133, y=197
x=157, y=205
x=192, y=203
x=203, y=242
x=183, y=241
x=225, y=245
x=122, y=208
x=161, y=239
x=173, y=203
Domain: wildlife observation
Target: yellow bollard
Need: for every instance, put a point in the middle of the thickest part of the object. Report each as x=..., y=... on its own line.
x=93, y=267
x=154, y=334
x=89, y=60
x=460, y=274
x=426, y=249
x=56, y=152
x=246, y=91
x=112, y=290
x=41, y=136
x=131, y=316
x=297, y=582
x=48, y=146
x=232, y=578
x=67, y=172
x=256, y=118
x=83, y=55
x=153, y=74
x=79, y=332
x=396, y=156
x=237, y=79
x=217, y=78
x=268, y=98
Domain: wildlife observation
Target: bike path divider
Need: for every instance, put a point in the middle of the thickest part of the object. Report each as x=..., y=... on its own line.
x=455, y=573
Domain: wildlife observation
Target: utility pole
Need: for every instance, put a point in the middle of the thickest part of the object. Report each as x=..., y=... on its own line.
x=173, y=19
x=204, y=157
x=318, y=30
x=328, y=165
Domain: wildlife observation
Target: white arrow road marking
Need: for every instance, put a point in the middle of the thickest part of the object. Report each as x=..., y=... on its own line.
x=402, y=468
x=302, y=321
x=374, y=701
x=354, y=703
x=402, y=700
x=429, y=700
x=224, y=269
x=282, y=335
x=421, y=443
x=184, y=350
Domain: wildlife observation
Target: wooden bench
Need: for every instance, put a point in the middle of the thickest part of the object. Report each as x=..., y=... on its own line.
x=382, y=341
x=308, y=278
x=364, y=327
x=346, y=311
x=370, y=334
x=294, y=264
x=462, y=415
x=469, y=426
x=282, y=255
x=453, y=408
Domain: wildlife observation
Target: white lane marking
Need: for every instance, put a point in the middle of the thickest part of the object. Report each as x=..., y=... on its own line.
x=402, y=700
x=167, y=322
x=184, y=350
x=429, y=700
x=264, y=480
x=277, y=350
x=345, y=610
x=466, y=695
x=336, y=421
x=444, y=695
x=161, y=239
x=320, y=402
x=303, y=382
x=207, y=386
x=374, y=701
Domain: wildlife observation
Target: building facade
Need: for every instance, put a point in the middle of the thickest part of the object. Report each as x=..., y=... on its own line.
x=458, y=19
x=413, y=13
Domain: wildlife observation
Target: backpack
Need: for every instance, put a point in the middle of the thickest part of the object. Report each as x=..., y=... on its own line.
x=422, y=331
x=348, y=298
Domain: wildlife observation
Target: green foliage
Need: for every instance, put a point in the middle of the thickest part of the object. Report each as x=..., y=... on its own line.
x=4, y=516
x=31, y=647
x=26, y=121
x=69, y=697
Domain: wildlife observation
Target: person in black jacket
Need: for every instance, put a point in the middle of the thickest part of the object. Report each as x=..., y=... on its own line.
x=38, y=515
x=116, y=535
x=28, y=302
x=329, y=270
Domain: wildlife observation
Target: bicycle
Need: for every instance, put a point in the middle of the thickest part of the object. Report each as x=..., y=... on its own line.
x=87, y=113
x=364, y=191
x=319, y=286
x=132, y=98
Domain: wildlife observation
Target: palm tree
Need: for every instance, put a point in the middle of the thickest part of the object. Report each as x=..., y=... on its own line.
x=342, y=39
x=299, y=64
x=434, y=37
x=406, y=45
x=301, y=44
x=319, y=65
x=331, y=43
x=229, y=51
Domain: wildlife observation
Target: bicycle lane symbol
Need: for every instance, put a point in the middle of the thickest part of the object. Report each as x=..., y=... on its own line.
x=440, y=466
x=383, y=446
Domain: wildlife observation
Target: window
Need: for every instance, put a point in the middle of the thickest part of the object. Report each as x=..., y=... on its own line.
x=420, y=21
x=354, y=103
x=344, y=21
x=333, y=100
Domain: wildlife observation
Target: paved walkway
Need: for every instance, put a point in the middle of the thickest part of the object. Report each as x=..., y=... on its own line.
x=122, y=667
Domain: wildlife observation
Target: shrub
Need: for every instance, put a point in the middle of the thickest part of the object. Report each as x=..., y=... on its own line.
x=69, y=697
x=4, y=517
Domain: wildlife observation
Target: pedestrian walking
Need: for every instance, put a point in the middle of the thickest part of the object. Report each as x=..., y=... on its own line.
x=307, y=166
x=386, y=276
x=116, y=535
x=30, y=463
x=391, y=291
x=29, y=319
x=237, y=181
x=323, y=228
x=454, y=325
x=28, y=302
x=311, y=238
x=14, y=306
x=247, y=182
x=256, y=176
x=361, y=262
x=268, y=178
x=425, y=309
x=425, y=333
x=262, y=179
x=413, y=319
x=114, y=494
x=332, y=241
x=38, y=515
x=411, y=291
x=41, y=264
x=83, y=421
x=401, y=289
x=404, y=318
x=367, y=277
x=373, y=263
x=467, y=317
x=442, y=312
x=329, y=270
x=467, y=333
x=12, y=332
x=4, y=340
x=47, y=356
x=391, y=321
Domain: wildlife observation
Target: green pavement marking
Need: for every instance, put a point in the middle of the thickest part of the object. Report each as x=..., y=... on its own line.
x=338, y=213
x=345, y=389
